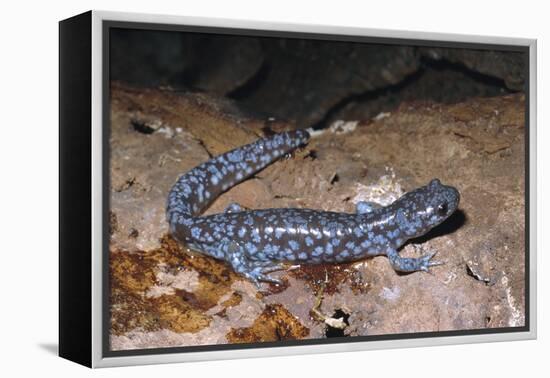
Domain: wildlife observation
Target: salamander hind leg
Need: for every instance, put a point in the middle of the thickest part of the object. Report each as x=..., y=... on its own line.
x=406, y=264
x=256, y=271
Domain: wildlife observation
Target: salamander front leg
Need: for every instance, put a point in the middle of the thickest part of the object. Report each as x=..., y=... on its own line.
x=406, y=264
x=256, y=271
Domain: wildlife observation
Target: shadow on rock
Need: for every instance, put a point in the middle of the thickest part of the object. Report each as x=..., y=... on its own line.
x=453, y=223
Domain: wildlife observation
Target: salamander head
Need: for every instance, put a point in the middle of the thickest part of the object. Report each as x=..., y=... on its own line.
x=424, y=208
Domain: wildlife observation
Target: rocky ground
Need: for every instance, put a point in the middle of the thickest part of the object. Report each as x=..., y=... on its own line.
x=163, y=294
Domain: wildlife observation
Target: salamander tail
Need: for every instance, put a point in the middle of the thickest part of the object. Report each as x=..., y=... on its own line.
x=197, y=189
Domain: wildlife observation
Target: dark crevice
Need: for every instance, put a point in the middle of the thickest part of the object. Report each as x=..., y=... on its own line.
x=188, y=77
x=447, y=65
x=126, y=185
x=201, y=142
x=471, y=273
x=142, y=127
x=337, y=332
x=367, y=96
x=427, y=64
x=252, y=84
x=476, y=276
x=312, y=154
x=267, y=130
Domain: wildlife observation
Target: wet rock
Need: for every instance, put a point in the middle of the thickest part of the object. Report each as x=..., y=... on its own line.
x=163, y=294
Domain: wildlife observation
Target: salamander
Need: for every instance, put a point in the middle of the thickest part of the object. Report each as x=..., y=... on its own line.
x=258, y=242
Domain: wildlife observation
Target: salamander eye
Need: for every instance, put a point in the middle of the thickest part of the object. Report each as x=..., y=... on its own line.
x=442, y=208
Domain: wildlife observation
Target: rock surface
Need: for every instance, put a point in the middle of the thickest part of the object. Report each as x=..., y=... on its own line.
x=163, y=294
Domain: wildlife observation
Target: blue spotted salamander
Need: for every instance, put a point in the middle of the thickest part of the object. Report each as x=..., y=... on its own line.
x=258, y=242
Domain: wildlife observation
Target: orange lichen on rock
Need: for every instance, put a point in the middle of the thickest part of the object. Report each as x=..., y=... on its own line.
x=133, y=275
x=274, y=324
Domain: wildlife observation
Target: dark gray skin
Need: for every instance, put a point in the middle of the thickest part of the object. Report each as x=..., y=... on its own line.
x=256, y=242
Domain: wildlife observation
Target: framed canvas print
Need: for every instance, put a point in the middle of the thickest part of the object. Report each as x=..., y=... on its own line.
x=232, y=189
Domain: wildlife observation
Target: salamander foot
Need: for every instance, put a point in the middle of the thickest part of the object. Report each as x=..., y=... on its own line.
x=406, y=264
x=260, y=273
x=256, y=271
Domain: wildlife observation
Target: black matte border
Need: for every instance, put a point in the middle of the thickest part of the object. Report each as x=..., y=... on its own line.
x=110, y=24
x=75, y=189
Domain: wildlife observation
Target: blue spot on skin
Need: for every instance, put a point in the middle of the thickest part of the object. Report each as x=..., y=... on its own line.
x=260, y=256
x=317, y=251
x=294, y=245
x=363, y=208
x=401, y=219
x=235, y=156
x=380, y=240
x=196, y=232
x=242, y=231
x=393, y=234
x=309, y=241
x=251, y=248
x=318, y=234
x=366, y=244
x=350, y=245
x=335, y=242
